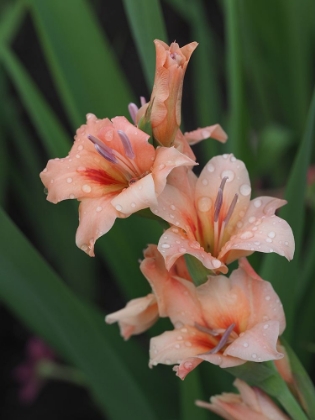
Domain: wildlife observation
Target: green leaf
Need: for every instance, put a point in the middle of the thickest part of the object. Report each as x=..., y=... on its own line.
x=278, y=271
x=11, y=19
x=302, y=382
x=146, y=23
x=52, y=133
x=82, y=63
x=191, y=390
x=39, y=298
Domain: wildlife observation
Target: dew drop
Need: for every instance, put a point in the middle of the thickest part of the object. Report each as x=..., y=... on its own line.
x=98, y=209
x=225, y=156
x=72, y=196
x=133, y=205
x=254, y=355
x=210, y=167
x=69, y=180
x=162, y=166
x=194, y=245
x=233, y=159
x=86, y=188
x=184, y=330
x=173, y=207
x=165, y=246
x=245, y=345
x=271, y=234
x=177, y=346
x=229, y=174
x=286, y=243
x=204, y=204
x=257, y=203
x=266, y=326
x=81, y=168
x=80, y=148
x=204, y=181
x=118, y=207
x=77, y=156
x=267, y=297
x=247, y=235
x=268, y=240
x=257, y=243
x=252, y=219
x=245, y=190
x=216, y=263
x=188, y=365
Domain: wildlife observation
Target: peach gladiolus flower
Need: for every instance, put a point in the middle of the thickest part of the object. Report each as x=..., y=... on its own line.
x=113, y=171
x=166, y=97
x=215, y=322
x=251, y=403
x=137, y=316
x=141, y=313
x=213, y=219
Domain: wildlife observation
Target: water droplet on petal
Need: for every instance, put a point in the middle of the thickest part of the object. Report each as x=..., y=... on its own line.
x=166, y=246
x=266, y=326
x=182, y=250
x=72, y=196
x=245, y=189
x=69, y=180
x=210, y=167
x=254, y=355
x=177, y=346
x=86, y=188
x=98, y=209
x=233, y=158
x=257, y=203
x=267, y=297
x=80, y=148
x=118, y=207
x=271, y=234
x=268, y=240
x=173, y=207
x=188, y=365
x=252, y=219
x=246, y=235
x=204, y=204
x=194, y=245
x=162, y=166
x=204, y=181
x=216, y=263
x=245, y=345
x=229, y=174
x=133, y=205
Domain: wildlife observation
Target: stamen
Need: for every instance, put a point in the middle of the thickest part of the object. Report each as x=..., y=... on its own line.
x=126, y=143
x=206, y=330
x=219, y=200
x=231, y=209
x=133, y=109
x=223, y=340
x=103, y=150
x=142, y=100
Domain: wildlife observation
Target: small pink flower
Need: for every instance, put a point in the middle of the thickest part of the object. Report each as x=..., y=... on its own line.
x=113, y=171
x=215, y=322
x=213, y=218
x=26, y=373
x=251, y=403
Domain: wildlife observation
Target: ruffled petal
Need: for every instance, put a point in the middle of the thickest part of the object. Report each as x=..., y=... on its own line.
x=214, y=131
x=174, y=243
x=137, y=196
x=97, y=216
x=137, y=316
x=257, y=344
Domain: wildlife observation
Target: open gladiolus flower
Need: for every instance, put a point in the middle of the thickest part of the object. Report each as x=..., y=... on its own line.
x=215, y=321
x=141, y=313
x=113, y=171
x=166, y=97
x=214, y=220
x=251, y=403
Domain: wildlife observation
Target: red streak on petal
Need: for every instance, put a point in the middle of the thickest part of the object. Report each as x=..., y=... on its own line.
x=101, y=177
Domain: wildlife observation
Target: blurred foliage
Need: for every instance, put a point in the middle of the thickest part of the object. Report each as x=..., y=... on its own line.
x=252, y=73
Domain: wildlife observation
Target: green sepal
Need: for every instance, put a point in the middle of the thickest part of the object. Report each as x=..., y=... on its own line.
x=199, y=273
x=266, y=377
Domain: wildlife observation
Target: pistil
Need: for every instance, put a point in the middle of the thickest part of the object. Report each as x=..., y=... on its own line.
x=223, y=341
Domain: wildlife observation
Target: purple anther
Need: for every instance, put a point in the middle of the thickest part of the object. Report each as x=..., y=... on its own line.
x=206, y=330
x=133, y=109
x=126, y=143
x=223, y=340
x=143, y=101
x=103, y=150
x=219, y=199
x=231, y=209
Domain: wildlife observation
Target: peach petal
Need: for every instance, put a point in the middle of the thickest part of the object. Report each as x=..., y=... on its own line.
x=97, y=216
x=177, y=245
x=214, y=131
x=186, y=367
x=138, y=196
x=268, y=234
x=167, y=158
x=257, y=344
x=137, y=316
x=222, y=360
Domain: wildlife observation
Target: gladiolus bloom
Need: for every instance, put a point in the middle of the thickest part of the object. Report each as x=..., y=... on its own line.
x=166, y=97
x=213, y=219
x=251, y=403
x=113, y=171
x=215, y=322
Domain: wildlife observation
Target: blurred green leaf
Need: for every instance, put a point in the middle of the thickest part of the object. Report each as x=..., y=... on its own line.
x=82, y=63
x=191, y=390
x=39, y=298
x=11, y=19
x=146, y=23
x=54, y=137
x=278, y=271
